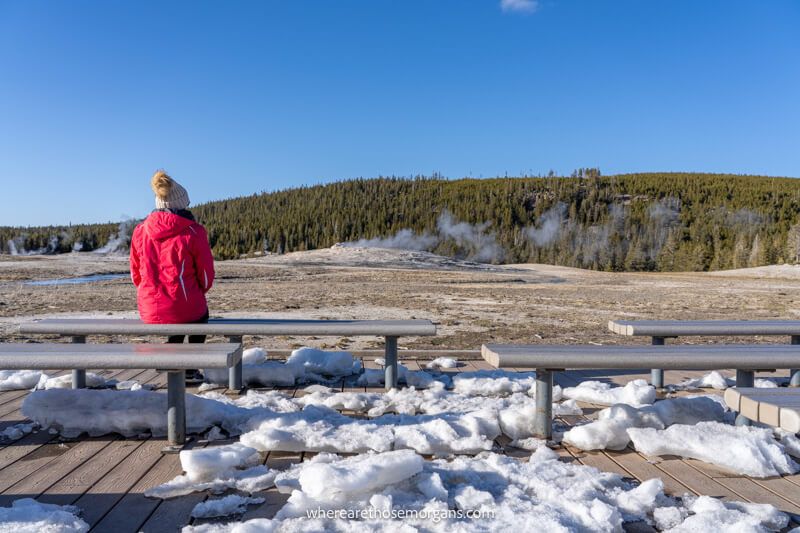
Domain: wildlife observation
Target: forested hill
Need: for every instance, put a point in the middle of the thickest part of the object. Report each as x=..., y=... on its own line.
x=674, y=221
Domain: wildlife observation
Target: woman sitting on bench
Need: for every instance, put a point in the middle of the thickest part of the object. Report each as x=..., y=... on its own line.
x=171, y=263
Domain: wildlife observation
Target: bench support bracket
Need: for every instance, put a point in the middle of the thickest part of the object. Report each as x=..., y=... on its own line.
x=744, y=378
x=391, y=371
x=543, y=420
x=79, y=376
x=656, y=374
x=176, y=407
x=235, y=380
x=794, y=374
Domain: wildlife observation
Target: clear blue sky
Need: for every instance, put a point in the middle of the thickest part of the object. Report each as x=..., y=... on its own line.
x=239, y=97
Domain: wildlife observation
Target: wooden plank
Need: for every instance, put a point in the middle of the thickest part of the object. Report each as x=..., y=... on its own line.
x=695, y=480
x=752, y=491
x=600, y=461
x=783, y=488
x=644, y=470
x=42, y=479
x=103, y=495
x=73, y=485
x=172, y=515
x=28, y=455
x=134, y=509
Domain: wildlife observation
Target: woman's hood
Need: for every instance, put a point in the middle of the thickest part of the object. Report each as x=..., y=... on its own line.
x=160, y=225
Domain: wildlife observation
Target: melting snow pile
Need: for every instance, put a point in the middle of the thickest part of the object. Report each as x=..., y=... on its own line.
x=715, y=380
x=419, y=379
x=635, y=393
x=29, y=516
x=128, y=413
x=610, y=430
x=36, y=379
x=304, y=365
x=217, y=469
x=711, y=514
x=442, y=362
x=490, y=492
x=431, y=421
x=93, y=381
x=231, y=504
x=19, y=379
x=494, y=382
x=748, y=450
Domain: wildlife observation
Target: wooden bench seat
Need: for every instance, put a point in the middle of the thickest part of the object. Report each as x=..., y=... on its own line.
x=172, y=358
x=775, y=407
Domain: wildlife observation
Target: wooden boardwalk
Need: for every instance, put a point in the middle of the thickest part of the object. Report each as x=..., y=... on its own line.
x=107, y=476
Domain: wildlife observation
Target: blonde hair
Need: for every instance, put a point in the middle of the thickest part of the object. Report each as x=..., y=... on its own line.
x=161, y=183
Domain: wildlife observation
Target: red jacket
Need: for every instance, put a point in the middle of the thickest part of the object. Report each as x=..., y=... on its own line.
x=172, y=268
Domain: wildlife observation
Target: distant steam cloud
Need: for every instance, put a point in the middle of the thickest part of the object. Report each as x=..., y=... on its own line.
x=666, y=211
x=549, y=226
x=405, y=239
x=118, y=241
x=57, y=243
x=519, y=6
x=474, y=241
x=16, y=246
x=481, y=245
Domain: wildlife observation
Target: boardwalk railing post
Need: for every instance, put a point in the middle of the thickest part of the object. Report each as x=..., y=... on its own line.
x=543, y=420
x=235, y=380
x=176, y=408
x=744, y=378
x=794, y=374
x=78, y=376
x=657, y=375
x=391, y=373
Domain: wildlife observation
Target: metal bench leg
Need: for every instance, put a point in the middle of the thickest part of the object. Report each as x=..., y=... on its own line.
x=657, y=375
x=235, y=380
x=543, y=420
x=79, y=376
x=391, y=371
x=744, y=378
x=176, y=408
x=794, y=374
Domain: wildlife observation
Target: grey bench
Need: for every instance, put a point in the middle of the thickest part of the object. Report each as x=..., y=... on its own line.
x=546, y=359
x=235, y=329
x=659, y=330
x=175, y=359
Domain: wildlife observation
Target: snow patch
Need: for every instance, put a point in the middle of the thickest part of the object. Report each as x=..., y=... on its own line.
x=231, y=504
x=635, y=393
x=26, y=515
x=219, y=468
x=442, y=362
x=750, y=451
x=610, y=430
x=19, y=379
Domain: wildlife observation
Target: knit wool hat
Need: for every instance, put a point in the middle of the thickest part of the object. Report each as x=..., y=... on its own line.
x=169, y=193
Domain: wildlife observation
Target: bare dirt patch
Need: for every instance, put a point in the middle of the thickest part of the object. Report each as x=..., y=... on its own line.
x=470, y=304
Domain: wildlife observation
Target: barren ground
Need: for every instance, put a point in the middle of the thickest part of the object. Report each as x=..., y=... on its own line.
x=470, y=303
